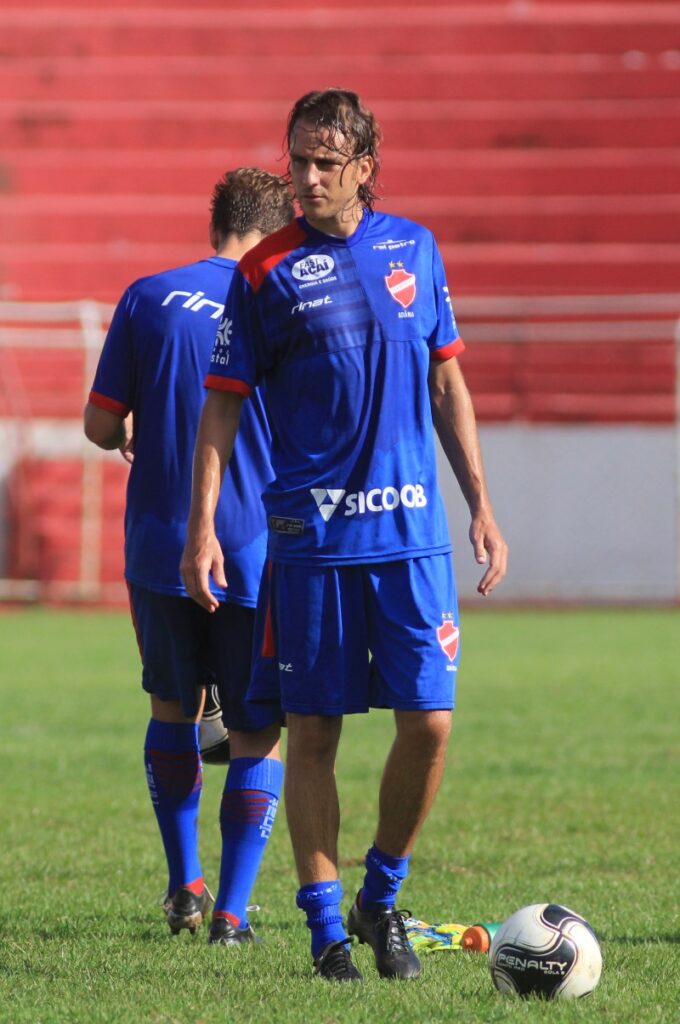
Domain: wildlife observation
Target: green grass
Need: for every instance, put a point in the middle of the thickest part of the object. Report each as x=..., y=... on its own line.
x=562, y=785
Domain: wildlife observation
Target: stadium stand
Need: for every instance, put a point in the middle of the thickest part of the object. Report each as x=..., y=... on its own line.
x=548, y=135
x=539, y=139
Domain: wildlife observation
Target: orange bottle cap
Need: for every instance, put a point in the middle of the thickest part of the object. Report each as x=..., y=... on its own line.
x=475, y=939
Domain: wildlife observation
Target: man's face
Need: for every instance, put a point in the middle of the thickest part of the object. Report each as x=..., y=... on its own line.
x=326, y=181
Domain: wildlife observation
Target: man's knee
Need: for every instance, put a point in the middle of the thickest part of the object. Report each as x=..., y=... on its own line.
x=263, y=743
x=426, y=729
x=171, y=711
x=313, y=737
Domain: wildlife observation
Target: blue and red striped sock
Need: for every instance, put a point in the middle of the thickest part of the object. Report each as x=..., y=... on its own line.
x=175, y=777
x=249, y=804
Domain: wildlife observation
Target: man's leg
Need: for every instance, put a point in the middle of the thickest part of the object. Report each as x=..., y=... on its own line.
x=311, y=795
x=174, y=776
x=313, y=815
x=411, y=779
x=323, y=656
x=169, y=636
x=255, y=776
x=249, y=804
x=410, y=782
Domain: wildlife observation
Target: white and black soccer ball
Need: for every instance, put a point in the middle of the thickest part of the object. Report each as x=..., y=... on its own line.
x=545, y=950
x=213, y=737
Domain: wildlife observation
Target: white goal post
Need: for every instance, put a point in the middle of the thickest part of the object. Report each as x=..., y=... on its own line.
x=77, y=325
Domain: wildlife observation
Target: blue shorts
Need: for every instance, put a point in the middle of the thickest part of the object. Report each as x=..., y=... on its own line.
x=184, y=648
x=316, y=626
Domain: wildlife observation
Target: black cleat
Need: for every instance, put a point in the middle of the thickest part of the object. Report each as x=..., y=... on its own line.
x=334, y=963
x=224, y=933
x=385, y=932
x=184, y=909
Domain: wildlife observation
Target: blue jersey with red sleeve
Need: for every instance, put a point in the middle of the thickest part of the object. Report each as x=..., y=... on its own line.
x=153, y=363
x=341, y=332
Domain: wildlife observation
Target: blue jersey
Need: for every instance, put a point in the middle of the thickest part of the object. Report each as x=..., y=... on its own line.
x=341, y=331
x=153, y=362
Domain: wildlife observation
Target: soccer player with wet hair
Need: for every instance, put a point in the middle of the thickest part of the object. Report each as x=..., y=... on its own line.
x=346, y=317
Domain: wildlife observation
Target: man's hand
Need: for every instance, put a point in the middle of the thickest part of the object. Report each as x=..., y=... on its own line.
x=486, y=538
x=126, y=447
x=214, y=443
x=200, y=560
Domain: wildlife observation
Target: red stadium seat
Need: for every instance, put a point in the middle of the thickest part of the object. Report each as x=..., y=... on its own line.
x=540, y=141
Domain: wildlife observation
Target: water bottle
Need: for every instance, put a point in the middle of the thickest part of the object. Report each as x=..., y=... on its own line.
x=477, y=938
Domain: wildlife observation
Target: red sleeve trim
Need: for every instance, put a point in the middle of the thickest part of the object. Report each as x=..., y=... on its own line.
x=216, y=383
x=109, y=404
x=454, y=348
x=262, y=259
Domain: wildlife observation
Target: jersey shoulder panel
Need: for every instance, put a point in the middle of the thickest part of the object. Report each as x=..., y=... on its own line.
x=261, y=260
x=382, y=221
x=151, y=280
x=163, y=277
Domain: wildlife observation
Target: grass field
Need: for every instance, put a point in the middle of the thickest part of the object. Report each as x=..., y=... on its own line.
x=562, y=785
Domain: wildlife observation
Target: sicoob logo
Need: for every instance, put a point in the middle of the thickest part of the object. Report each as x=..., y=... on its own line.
x=378, y=499
x=313, y=268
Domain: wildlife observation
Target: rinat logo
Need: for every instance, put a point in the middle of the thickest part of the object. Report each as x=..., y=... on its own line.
x=195, y=302
x=311, y=304
x=447, y=299
x=268, y=820
x=377, y=499
x=313, y=268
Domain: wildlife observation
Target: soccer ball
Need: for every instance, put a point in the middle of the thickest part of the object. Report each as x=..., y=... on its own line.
x=213, y=738
x=545, y=950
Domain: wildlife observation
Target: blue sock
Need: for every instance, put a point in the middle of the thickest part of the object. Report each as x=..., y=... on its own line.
x=321, y=903
x=384, y=875
x=249, y=803
x=175, y=777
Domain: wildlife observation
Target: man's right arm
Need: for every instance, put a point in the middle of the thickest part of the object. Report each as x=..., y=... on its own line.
x=214, y=444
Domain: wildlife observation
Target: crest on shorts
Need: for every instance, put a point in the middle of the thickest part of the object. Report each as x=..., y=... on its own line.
x=448, y=634
x=401, y=284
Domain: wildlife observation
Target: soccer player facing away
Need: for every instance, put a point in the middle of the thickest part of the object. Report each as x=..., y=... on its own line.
x=153, y=363
x=345, y=315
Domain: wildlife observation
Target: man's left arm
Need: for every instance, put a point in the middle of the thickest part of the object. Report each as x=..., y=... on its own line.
x=454, y=420
x=108, y=430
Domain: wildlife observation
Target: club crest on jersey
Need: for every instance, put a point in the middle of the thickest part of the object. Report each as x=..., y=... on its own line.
x=401, y=284
x=448, y=635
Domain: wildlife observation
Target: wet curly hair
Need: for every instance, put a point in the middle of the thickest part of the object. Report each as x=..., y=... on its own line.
x=341, y=114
